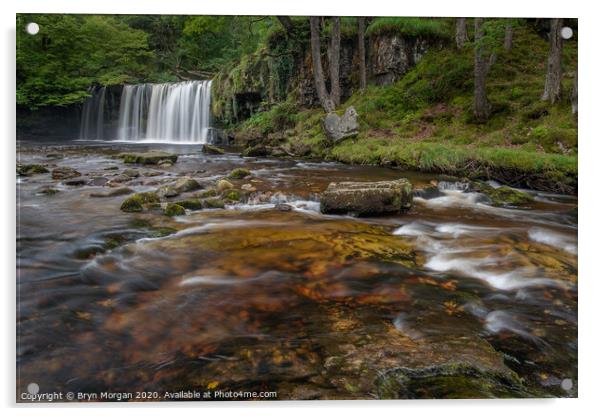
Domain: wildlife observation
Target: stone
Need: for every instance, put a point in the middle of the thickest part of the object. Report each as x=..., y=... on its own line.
x=132, y=173
x=191, y=204
x=231, y=195
x=172, y=210
x=256, y=151
x=503, y=195
x=65, y=173
x=136, y=202
x=212, y=150
x=98, y=181
x=222, y=185
x=120, y=179
x=367, y=198
x=32, y=169
x=187, y=185
x=112, y=192
x=165, y=163
x=47, y=190
x=75, y=182
x=339, y=128
x=213, y=203
x=239, y=173
x=148, y=158
x=167, y=191
x=248, y=187
x=283, y=207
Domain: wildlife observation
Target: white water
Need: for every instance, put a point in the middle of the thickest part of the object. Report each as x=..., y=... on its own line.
x=172, y=112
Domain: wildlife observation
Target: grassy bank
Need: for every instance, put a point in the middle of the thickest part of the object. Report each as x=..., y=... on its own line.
x=424, y=121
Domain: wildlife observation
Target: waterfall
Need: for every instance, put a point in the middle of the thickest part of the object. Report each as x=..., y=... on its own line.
x=92, y=124
x=177, y=112
x=171, y=112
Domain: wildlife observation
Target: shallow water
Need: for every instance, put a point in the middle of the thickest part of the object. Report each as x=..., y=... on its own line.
x=310, y=306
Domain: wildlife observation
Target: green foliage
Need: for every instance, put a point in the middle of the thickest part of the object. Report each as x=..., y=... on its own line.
x=411, y=26
x=71, y=52
x=280, y=117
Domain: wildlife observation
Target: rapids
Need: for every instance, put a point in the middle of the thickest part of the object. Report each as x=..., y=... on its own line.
x=304, y=304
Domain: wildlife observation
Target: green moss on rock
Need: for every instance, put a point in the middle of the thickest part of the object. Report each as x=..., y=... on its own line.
x=192, y=204
x=136, y=202
x=239, y=173
x=172, y=210
x=213, y=203
x=148, y=158
x=31, y=169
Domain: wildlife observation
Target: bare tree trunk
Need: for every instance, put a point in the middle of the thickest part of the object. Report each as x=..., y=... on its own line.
x=508, y=35
x=553, y=88
x=481, y=67
x=461, y=34
x=287, y=23
x=318, y=72
x=574, y=98
x=335, y=57
x=361, y=40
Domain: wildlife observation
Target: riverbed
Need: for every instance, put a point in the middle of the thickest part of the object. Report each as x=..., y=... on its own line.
x=456, y=298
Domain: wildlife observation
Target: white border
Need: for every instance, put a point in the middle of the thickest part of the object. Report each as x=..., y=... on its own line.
x=590, y=158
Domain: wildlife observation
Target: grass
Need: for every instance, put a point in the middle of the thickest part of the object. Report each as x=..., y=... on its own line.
x=411, y=26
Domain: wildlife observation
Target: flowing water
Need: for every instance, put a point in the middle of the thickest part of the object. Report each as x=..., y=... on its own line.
x=454, y=299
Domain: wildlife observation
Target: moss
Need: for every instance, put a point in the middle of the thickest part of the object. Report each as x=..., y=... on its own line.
x=31, y=169
x=239, y=173
x=213, y=203
x=231, y=195
x=148, y=158
x=212, y=150
x=505, y=195
x=411, y=26
x=172, y=210
x=208, y=193
x=192, y=204
x=136, y=202
x=159, y=232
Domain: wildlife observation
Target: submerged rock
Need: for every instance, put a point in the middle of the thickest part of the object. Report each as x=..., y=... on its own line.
x=132, y=173
x=283, y=207
x=367, y=198
x=112, y=192
x=32, y=169
x=231, y=195
x=213, y=203
x=47, y=190
x=167, y=191
x=172, y=210
x=212, y=150
x=339, y=128
x=239, y=173
x=136, y=202
x=98, y=181
x=148, y=158
x=191, y=204
x=65, y=173
x=75, y=182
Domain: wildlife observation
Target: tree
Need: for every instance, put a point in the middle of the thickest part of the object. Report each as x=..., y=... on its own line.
x=287, y=23
x=574, y=98
x=361, y=41
x=482, y=108
x=335, y=56
x=553, y=87
x=461, y=33
x=318, y=72
x=508, y=35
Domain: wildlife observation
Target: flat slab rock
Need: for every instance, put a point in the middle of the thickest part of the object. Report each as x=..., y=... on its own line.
x=148, y=158
x=367, y=198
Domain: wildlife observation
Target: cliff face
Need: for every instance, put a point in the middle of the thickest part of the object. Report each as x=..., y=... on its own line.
x=276, y=74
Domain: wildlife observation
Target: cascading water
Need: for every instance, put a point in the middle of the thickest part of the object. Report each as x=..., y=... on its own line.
x=171, y=112
x=178, y=112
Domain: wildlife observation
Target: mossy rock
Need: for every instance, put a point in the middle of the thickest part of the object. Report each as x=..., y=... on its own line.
x=504, y=195
x=256, y=151
x=187, y=185
x=32, y=169
x=136, y=202
x=223, y=185
x=172, y=210
x=231, y=195
x=147, y=158
x=213, y=203
x=65, y=172
x=208, y=193
x=239, y=173
x=212, y=150
x=192, y=204
x=167, y=191
x=48, y=190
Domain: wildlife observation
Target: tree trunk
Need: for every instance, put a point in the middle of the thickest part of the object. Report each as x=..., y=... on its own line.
x=287, y=23
x=481, y=67
x=574, y=98
x=461, y=34
x=335, y=57
x=508, y=36
x=320, y=85
x=553, y=88
x=361, y=40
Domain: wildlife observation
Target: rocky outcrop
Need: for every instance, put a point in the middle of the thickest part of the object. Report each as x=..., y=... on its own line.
x=367, y=198
x=339, y=128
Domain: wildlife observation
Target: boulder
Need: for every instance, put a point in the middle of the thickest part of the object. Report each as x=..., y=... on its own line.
x=172, y=210
x=213, y=203
x=367, y=198
x=148, y=158
x=212, y=150
x=132, y=173
x=167, y=191
x=239, y=173
x=339, y=128
x=136, y=202
x=256, y=151
x=503, y=196
x=222, y=185
x=187, y=185
x=192, y=204
x=65, y=173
